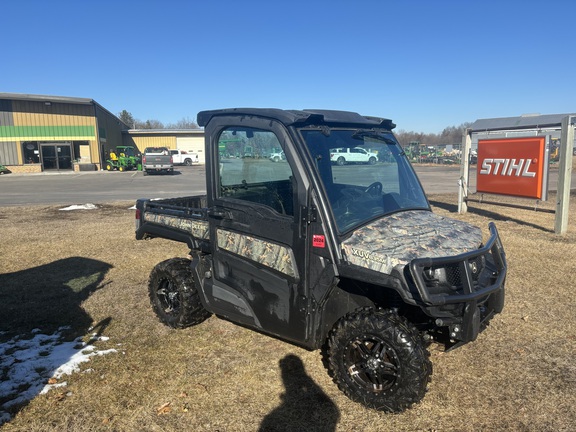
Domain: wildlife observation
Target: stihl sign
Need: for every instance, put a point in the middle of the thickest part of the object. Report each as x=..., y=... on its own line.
x=513, y=166
x=507, y=167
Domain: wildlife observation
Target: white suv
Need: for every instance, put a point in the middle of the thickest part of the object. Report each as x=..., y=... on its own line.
x=342, y=156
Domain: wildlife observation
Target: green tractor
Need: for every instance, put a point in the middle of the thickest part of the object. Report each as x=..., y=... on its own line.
x=123, y=159
x=4, y=170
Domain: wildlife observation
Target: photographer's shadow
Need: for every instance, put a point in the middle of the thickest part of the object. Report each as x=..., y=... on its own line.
x=41, y=307
x=305, y=407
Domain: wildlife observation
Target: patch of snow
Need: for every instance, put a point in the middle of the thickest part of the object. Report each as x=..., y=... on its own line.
x=27, y=365
x=49, y=387
x=80, y=207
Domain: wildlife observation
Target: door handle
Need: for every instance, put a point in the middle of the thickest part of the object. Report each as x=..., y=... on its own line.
x=219, y=214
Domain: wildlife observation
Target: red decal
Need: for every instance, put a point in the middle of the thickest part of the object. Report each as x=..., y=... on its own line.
x=318, y=241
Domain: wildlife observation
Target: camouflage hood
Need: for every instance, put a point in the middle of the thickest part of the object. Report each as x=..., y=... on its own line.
x=399, y=238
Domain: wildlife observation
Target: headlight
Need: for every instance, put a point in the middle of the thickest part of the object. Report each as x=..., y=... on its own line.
x=449, y=278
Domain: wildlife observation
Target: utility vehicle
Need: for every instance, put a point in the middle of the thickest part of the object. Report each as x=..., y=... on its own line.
x=349, y=259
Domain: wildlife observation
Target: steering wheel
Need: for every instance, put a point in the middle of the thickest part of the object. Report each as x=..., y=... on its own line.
x=374, y=189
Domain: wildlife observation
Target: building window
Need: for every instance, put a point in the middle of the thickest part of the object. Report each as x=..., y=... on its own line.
x=82, y=151
x=30, y=152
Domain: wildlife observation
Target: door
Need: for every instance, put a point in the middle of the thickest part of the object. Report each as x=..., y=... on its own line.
x=259, y=253
x=56, y=156
x=358, y=155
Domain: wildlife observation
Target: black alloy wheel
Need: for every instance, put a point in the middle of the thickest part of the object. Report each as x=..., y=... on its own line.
x=173, y=294
x=379, y=360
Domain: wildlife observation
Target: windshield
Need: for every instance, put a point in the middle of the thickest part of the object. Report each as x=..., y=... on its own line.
x=128, y=151
x=365, y=174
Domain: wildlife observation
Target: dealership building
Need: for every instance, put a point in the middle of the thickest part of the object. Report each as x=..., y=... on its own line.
x=43, y=133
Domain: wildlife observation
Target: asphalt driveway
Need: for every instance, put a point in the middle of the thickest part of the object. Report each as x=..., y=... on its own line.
x=103, y=187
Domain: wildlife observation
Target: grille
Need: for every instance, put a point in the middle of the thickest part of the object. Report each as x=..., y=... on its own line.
x=454, y=272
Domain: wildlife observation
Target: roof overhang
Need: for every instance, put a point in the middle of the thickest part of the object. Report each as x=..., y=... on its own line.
x=47, y=98
x=525, y=122
x=160, y=132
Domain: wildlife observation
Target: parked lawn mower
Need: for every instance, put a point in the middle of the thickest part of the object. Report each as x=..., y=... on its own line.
x=123, y=159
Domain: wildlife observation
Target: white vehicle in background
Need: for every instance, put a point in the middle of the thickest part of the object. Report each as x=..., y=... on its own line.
x=182, y=157
x=343, y=156
x=277, y=157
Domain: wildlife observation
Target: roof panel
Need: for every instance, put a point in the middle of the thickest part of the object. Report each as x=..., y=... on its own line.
x=521, y=122
x=45, y=98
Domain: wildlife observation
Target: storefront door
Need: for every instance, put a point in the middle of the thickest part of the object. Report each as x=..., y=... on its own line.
x=56, y=156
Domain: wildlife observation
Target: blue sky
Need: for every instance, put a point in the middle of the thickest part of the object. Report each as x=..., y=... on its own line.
x=425, y=64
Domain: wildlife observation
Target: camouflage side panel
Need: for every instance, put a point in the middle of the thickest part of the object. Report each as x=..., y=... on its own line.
x=273, y=255
x=197, y=228
x=399, y=238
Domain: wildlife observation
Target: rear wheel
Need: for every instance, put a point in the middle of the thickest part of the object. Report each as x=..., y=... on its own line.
x=341, y=161
x=108, y=167
x=378, y=359
x=173, y=294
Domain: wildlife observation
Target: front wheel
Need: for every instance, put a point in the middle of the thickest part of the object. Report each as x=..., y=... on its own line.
x=173, y=294
x=378, y=359
x=341, y=161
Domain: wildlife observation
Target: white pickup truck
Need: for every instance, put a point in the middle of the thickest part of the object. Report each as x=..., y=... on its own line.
x=343, y=156
x=182, y=157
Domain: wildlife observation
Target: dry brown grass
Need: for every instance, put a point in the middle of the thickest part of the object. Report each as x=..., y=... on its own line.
x=519, y=375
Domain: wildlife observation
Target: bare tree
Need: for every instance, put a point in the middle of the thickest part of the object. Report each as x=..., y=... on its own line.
x=450, y=135
x=135, y=123
x=149, y=124
x=183, y=123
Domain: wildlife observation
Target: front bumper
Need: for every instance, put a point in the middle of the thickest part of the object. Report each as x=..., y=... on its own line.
x=463, y=291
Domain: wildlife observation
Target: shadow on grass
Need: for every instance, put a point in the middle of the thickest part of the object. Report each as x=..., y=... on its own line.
x=453, y=208
x=49, y=297
x=305, y=407
x=41, y=322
